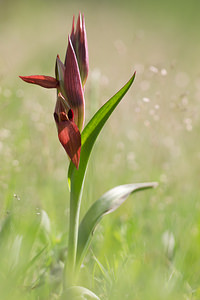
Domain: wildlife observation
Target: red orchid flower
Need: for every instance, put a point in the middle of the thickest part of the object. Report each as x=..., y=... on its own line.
x=68, y=132
x=69, y=81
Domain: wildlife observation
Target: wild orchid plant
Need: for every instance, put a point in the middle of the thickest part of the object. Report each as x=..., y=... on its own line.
x=69, y=115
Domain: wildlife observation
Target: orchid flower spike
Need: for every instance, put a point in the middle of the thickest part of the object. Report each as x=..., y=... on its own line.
x=69, y=81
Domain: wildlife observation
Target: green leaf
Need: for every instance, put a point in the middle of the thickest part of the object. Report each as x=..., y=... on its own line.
x=76, y=177
x=106, y=204
x=78, y=293
x=90, y=133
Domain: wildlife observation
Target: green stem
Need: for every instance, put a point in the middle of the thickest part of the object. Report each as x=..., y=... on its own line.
x=70, y=264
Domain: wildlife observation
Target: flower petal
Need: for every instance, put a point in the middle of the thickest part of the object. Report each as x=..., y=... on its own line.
x=70, y=137
x=73, y=86
x=44, y=81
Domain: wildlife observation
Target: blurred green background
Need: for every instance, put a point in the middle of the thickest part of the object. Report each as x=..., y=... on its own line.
x=150, y=248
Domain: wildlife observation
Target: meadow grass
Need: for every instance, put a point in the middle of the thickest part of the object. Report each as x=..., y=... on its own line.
x=150, y=247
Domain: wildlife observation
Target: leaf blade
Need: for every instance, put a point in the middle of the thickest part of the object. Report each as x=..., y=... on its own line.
x=90, y=133
x=106, y=204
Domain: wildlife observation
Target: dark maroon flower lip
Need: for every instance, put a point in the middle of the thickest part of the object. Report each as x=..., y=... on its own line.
x=70, y=138
x=68, y=132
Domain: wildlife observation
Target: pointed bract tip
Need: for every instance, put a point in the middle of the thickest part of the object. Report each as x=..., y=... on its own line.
x=79, y=15
x=79, y=23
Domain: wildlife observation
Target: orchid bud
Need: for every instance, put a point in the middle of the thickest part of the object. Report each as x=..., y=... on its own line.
x=79, y=42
